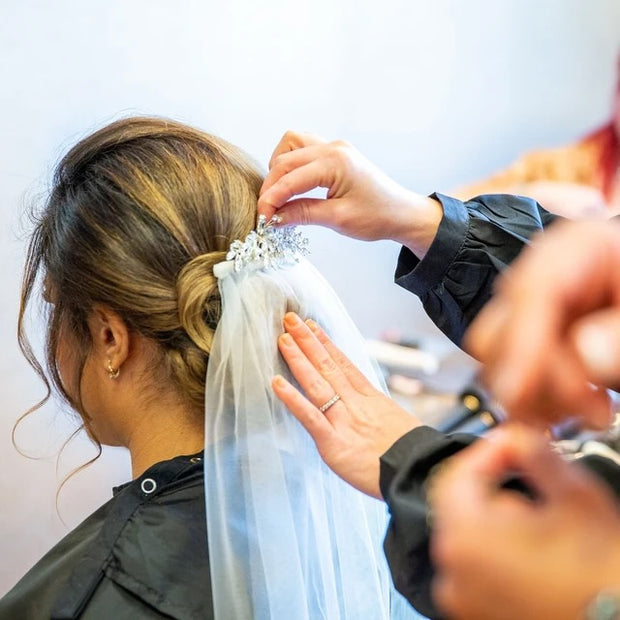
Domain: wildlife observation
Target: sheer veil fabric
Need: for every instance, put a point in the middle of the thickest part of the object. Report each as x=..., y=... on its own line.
x=288, y=540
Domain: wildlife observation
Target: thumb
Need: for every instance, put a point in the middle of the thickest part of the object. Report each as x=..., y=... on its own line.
x=596, y=339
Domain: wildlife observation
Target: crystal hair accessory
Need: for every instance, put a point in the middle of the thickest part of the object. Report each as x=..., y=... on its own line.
x=267, y=246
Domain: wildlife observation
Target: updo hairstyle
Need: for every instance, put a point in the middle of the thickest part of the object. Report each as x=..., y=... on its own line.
x=138, y=214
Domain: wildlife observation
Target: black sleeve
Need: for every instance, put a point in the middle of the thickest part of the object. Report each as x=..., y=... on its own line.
x=405, y=468
x=475, y=242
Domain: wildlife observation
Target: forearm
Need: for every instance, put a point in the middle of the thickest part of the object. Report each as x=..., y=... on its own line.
x=417, y=223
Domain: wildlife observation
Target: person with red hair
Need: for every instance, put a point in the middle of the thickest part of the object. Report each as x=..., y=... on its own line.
x=577, y=180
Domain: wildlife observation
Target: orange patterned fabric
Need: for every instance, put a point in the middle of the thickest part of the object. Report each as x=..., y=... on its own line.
x=574, y=163
x=576, y=180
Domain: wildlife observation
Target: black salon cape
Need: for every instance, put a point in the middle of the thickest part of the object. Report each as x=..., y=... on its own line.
x=142, y=555
x=475, y=242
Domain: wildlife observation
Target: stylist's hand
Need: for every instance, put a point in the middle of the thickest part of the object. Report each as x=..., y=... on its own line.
x=552, y=329
x=362, y=202
x=501, y=555
x=354, y=432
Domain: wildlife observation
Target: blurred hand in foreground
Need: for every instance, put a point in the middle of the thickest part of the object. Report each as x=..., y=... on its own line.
x=551, y=333
x=501, y=554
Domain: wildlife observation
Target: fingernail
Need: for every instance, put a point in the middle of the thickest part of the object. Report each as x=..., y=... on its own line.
x=286, y=340
x=279, y=381
x=277, y=219
x=291, y=319
x=313, y=326
x=596, y=351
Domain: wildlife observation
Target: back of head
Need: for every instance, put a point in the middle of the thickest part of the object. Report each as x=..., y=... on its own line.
x=139, y=213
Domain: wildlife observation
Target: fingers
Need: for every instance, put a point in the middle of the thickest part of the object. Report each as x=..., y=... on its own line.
x=355, y=376
x=531, y=365
x=474, y=477
x=317, y=389
x=512, y=337
x=535, y=373
x=570, y=394
x=519, y=450
x=295, y=150
x=596, y=339
x=293, y=140
x=297, y=181
x=480, y=339
x=284, y=163
x=309, y=416
x=310, y=363
x=559, y=390
x=302, y=211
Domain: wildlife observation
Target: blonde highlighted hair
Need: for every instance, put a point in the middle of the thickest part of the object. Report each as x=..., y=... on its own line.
x=138, y=214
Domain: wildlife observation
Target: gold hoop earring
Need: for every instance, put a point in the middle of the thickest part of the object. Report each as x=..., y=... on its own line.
x=113, y=372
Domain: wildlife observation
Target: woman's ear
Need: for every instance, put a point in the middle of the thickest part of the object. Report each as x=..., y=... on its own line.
x=110, y=337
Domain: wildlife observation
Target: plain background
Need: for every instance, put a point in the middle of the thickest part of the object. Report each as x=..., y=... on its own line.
x=437, y=94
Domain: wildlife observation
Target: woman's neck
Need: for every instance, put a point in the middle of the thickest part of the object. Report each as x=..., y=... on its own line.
x=162, y=434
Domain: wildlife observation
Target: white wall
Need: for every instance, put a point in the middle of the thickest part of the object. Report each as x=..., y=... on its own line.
x=435, y=93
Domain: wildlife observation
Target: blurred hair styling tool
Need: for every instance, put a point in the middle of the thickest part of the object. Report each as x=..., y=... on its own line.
x=475, y=413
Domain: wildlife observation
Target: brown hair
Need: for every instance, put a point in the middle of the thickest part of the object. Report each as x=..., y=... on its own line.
x=138, y=214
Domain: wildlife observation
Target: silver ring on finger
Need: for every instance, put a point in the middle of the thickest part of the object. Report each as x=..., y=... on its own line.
x=332, y=401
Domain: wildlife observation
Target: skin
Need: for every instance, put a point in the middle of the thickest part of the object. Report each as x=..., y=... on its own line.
x=350, y=435
x=132, y=410
x=361, y=201
x=555, y=553
x=552, y=330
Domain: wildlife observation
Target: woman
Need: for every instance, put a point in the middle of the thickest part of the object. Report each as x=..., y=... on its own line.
x=141, y=215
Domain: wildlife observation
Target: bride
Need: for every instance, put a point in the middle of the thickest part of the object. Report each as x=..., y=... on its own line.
x=157, y=283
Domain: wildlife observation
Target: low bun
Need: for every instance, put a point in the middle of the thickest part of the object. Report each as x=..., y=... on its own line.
x=199, y=299
x=199, y=308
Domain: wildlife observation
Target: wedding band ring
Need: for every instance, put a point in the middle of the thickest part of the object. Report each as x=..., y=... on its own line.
x=332, y=401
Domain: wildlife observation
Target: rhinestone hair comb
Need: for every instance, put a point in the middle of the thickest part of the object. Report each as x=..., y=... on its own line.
x=267, y=246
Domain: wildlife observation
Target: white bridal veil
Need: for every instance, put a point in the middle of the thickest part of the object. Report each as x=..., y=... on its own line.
x=288, y=539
